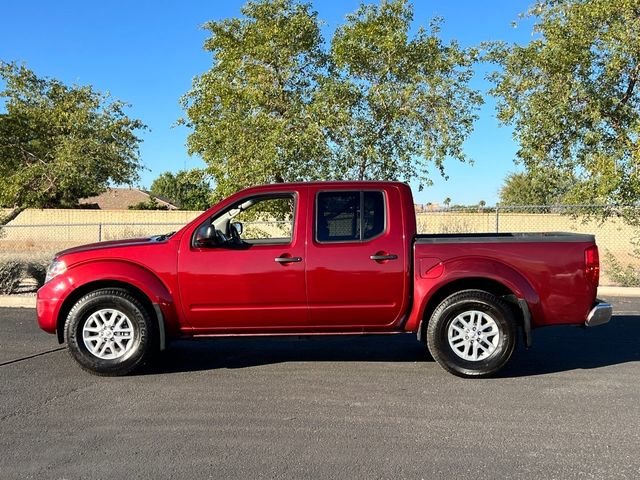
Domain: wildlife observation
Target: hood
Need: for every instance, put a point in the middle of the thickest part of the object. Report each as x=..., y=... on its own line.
x=130, y=242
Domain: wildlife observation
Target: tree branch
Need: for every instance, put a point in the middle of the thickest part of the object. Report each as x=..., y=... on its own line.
x=633, y=79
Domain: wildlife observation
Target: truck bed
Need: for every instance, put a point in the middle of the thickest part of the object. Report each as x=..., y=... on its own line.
x=551, y=264
x=523, y=237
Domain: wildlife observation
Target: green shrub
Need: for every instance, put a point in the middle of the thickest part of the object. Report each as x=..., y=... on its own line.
x=14, y=271
x=623, y=275
x=151, y=204
x=11, y=274
x=37, y=270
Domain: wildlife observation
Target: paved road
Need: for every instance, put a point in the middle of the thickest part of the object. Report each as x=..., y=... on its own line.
x=372, y=407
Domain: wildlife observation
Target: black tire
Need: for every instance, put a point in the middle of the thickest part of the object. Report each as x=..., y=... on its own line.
x=143, y=340
x=458, y=304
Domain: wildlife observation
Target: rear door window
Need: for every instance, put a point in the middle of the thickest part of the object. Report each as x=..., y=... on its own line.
x=344, y=216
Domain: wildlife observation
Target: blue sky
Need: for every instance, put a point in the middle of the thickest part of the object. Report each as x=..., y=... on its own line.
x=147, y=52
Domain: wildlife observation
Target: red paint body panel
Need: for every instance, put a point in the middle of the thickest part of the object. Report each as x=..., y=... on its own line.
x=227, y=290
x=334, y=288
x=549, y=276
x=149, y=266
x=348, y=290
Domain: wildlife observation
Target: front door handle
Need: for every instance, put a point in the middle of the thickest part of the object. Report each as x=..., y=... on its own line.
x=379, y=258
x=288, y=259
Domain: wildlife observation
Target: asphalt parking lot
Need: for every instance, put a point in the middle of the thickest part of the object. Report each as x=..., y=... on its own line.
x=333, y=407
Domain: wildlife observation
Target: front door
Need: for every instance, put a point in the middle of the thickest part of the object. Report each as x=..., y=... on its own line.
x=248, y=281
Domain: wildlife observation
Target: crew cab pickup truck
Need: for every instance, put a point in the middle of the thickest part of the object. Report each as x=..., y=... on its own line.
x=319, y=259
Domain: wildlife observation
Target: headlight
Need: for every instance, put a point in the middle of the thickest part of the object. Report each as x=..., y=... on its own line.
x=55, y=268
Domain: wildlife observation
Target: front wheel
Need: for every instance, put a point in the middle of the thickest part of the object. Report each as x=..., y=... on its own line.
x=109, y=332
x=472, y=333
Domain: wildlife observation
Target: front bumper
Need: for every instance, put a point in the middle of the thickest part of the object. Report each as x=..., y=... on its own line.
x=46, y=311
x=48, y=301
x=600, y=314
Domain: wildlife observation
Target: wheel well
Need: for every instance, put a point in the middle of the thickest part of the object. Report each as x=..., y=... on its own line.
x=80, y=292
x=479, y=283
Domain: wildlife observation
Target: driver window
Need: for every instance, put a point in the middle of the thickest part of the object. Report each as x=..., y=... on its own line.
x=268, y=220
x=252, y=221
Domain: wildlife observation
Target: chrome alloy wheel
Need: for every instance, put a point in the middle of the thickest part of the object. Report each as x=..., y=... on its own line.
x=108, y=334
x=473, y=335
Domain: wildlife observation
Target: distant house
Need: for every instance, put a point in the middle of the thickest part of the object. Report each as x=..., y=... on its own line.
x=122, y=199
x=427, y=207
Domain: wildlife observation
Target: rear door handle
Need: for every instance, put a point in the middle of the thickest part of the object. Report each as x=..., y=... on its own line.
x=379, y=258
x=288, y=259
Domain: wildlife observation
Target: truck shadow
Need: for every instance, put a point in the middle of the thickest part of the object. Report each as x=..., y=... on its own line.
x=555, y=349
x=560, y=349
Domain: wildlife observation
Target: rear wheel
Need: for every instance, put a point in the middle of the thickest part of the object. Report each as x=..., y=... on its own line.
x=109, y=332
x=472, y=333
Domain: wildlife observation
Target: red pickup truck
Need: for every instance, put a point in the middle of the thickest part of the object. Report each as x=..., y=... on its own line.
x=319, y=259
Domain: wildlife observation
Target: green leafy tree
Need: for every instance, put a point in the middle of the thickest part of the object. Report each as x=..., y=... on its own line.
x=252, y=113
x=276, y=106
x=573, y=98
x=188, y=189
x=399, y=102
x=60, y=143
x=529, y=188
x=151, y=204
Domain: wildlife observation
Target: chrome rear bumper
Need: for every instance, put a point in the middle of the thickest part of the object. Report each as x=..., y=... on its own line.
x=599, y=315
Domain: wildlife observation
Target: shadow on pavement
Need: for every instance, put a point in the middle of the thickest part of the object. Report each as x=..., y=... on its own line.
x=241, y=352
x=559, y=349
x=555, y=349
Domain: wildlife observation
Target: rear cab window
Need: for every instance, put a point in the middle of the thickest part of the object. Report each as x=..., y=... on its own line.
x=349, y=216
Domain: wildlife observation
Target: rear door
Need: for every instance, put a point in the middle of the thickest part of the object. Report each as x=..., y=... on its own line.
x=356, y=277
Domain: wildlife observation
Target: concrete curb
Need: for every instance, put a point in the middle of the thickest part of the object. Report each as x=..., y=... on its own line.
x=18, y=301
x=618, y=292
x=29, y=301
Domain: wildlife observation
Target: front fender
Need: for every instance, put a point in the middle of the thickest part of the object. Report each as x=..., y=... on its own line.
x=470, y=269
x=80, y=277
x=121, y=271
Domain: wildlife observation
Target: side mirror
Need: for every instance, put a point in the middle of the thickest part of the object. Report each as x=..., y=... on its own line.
x=206, y=237
x=238, y=227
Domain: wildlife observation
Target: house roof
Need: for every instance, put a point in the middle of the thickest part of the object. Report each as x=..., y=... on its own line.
x=122, y=199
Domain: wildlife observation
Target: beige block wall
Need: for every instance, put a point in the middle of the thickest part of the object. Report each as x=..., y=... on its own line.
x=65, y=216
x=53, y=228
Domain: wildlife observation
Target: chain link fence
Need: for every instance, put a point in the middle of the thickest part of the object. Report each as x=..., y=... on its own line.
x=82, y=233
x=619, y=243
x=39, y=241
